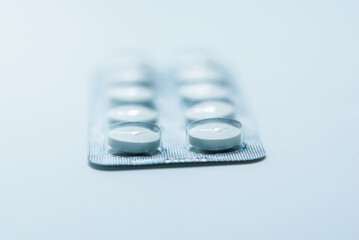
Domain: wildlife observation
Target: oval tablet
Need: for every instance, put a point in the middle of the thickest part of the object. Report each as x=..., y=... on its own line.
x=203, y=91
x=132, y=113
x=131, y=94
x=215, y=134
x=209, y=109
x=200, y=74
x=134, y=137
x=129, y=75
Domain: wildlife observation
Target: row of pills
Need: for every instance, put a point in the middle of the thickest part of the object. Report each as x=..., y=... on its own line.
x=203, y=83
x=130, y=92
x=204, y=86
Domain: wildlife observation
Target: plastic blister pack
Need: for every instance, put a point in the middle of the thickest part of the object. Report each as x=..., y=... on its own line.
x=190, y=114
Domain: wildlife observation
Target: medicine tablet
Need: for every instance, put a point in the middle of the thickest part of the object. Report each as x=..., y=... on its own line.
x=134, y=138
x=129, y=75
x=132, y=113
x=200, y=74
x=209, y=109
x=214, y=134
x=203, y=91
x=131, y=94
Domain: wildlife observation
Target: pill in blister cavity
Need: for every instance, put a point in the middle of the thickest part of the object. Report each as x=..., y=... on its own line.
x=200, y=74
x=129, y=75
x=132, y=113
x=134, y=137
x=131, y=94
x=215, y=134
x=209, y=109
x=203, y=91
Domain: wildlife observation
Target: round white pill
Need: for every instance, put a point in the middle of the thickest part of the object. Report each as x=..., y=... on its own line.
x=129, y=75
x=214, y=134
x=134, y=137
x=131, y=94
x=203, y=91
x=132, y=113
x=209, y=109
x=200, y=74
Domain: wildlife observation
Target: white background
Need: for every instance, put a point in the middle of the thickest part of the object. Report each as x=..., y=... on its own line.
x=298, y=62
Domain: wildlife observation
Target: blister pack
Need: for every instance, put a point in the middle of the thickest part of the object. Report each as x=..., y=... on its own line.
x=191, y=113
